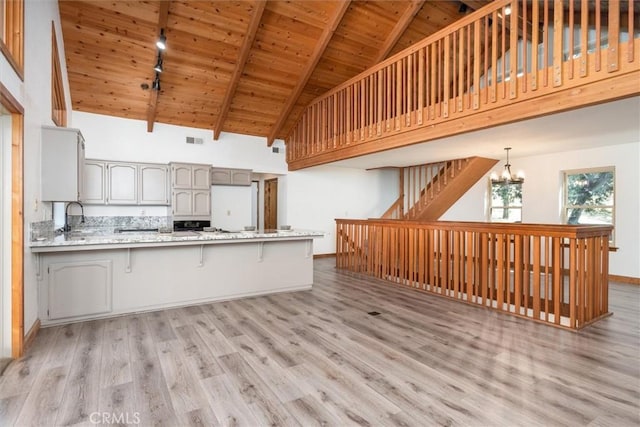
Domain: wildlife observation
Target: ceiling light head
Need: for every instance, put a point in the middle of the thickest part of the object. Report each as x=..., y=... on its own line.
x=507, y=10
x=162, y=40
x=506, y=177
x=158, y=66
x=156, y=83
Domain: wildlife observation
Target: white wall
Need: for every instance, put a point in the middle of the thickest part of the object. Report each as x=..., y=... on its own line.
x=113, y=138
x=542, y=201
x=317, y=196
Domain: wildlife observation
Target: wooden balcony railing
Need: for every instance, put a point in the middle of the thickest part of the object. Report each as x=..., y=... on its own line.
x=477, y=73
x=556, y=274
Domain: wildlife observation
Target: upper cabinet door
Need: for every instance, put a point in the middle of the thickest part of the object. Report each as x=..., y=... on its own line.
x=62, y=158
x=181, y=176
x=122, y=182
x=93, y=184
x=220, y=176
x=153, y=184
x=241, y=177
x=202, y=203
x=201, y=177
x=182, y=203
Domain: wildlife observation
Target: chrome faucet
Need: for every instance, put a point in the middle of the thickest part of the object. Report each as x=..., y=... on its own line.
x=67, y=227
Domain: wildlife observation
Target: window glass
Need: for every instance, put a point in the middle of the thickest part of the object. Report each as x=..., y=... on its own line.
x=589, y=196
x=506, y=202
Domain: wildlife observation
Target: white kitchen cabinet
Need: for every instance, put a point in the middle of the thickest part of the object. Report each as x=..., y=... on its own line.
x=79, y=288
x=93, y=185
x=240, y=177
x=129, y=183
x=191, y=204
x=181, y=176
x=202, y=203
x=182, y=203
x=122, y=184
x=201, y=177
x=193, y=201
x=220, y=176
x=226, y=176
x=62, y=163
x=153, y=181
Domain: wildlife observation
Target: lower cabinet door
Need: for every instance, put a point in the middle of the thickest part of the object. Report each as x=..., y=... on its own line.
x=79, y=288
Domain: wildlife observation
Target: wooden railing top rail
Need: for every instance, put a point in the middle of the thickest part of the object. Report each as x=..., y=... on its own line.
x=552, y=230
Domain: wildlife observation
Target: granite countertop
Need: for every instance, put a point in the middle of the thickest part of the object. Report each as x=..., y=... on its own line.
x=104, y=239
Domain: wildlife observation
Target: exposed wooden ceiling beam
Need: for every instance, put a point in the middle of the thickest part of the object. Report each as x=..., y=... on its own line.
x=399, y=29
x=321, y=45
x=163, y=19
x=252, y=29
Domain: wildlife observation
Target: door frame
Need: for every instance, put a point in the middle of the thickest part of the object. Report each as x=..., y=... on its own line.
x=17, y=220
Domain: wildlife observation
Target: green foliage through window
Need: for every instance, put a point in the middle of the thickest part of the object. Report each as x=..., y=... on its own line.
x=589, y=196
x=506, y=202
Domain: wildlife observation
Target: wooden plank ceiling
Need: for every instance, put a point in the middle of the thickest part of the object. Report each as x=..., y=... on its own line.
x=248, y=67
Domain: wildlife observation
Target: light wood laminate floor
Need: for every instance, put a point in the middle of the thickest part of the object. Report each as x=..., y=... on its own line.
x=317, y=358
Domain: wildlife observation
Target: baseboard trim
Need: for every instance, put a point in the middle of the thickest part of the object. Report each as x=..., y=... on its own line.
x=316, y=256
x=31, y=335
x=624, y=279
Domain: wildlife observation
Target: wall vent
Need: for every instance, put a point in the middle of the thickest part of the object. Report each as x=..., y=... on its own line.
x=275, y=149
x=192, y=140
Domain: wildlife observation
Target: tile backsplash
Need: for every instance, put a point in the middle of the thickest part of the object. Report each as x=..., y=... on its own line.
x=45, y=229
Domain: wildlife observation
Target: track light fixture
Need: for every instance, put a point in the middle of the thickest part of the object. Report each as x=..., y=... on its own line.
x=162, y=40
x=156, y=83
x=158, y=66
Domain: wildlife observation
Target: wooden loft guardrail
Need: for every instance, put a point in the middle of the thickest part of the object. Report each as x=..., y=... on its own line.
x=555, y=274
x=486, y=69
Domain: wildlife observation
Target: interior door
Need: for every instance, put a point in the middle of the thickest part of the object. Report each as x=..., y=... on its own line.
x=271, y=203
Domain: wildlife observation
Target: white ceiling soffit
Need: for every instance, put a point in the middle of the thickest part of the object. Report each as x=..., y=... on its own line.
x=613, y=123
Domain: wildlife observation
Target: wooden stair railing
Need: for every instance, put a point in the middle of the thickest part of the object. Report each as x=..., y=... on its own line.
x=486, y=69
x=428, y=191
x=446, y=174
x=549, y=273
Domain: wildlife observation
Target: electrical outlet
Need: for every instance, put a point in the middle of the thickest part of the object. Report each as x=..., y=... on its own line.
x=143, y=212
x=228, y=213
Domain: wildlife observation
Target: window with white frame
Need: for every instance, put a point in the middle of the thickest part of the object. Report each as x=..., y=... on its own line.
x=589, y=196
x=506, y=202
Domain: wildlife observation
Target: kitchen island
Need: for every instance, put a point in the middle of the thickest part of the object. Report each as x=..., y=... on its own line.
x=87, y=275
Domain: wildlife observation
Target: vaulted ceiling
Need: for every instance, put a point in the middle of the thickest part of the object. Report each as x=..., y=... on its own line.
x=247, y=67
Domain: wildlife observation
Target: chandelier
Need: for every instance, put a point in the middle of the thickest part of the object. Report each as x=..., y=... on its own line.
x=507, y=177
